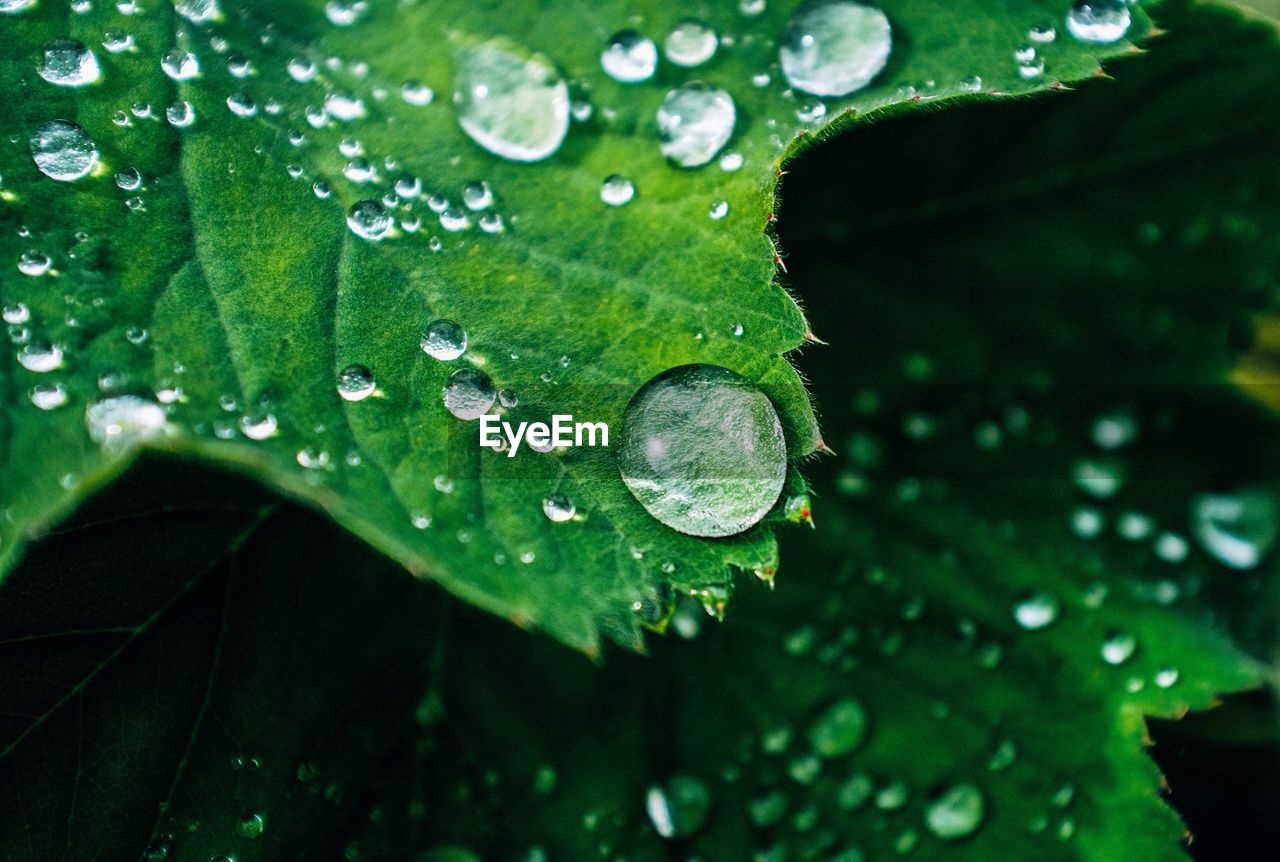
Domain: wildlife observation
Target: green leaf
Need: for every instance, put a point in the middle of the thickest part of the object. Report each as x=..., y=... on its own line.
x=248, y=296
x=186, y=679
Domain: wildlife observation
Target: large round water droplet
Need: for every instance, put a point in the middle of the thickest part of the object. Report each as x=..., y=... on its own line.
x=1236, y=529
x=559, y=508
x=62, y=151
x=691, y=43
x=834, y=47
x=678, y=808
x=956, y=812
x=469, y=394
x=444, y=340
x=1099, y=22
x=629, y=57
x=356, y=383
x=694, y=122
x=68, y=63
x=703, y=451
x=511, y=101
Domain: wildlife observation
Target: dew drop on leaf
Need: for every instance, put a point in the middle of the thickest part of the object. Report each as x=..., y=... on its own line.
x=469, y=394
x=1118, y=647
x=180, y=65
x=690, y=43
x=703, y=451
x=558, y=508
x=511, y=101
x=629, y=57
x=1099, y=22
x=1037, y=611
x=62, y=151
x=198, y=11
x=48, y=396
x=115, y=423
x=356, y=383
x=678, y=808
x=369, y=220
x=13, y=7
x=834, y=47
x=1237, y=529
x=956, y=812
x=40, y=357
x=840, y=729
x=617, y=190
x=251, y=825
x=68, y=63
x=695, y=121
x=444, y=340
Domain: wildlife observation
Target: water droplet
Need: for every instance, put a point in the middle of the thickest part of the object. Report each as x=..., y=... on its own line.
x=40, y=357
x=198, y=11
x=1004, y=756
x=13, y=7
x=34, y=264
x=62, y=151
x=48, y=396
x=679, y=807
x=117, y=423
x=356, y=383
x=840, y=729
x=1171, y=547
x=258, y=426
x=444, y=340
x=1118, y=647
x=854, y=793
x=1037, y=611
x=718, y=210
x=695, y=121
x=1166, y=677
x=834, y=47
x=956, y=812
x=1236, y=529
x=690, y=43
x=68, y=63
x=731, y=161
x=180, y=65
x=892, y=796
x=180, y=114
x=369, y=219
x=1098, y=22
x=416, y=93
x=129, y=179
x=1099, y=479
x=703, y=451
x=344, y=106
x=242, y=104
x=469, y=394
x=617, y=190
x=251, y=825
x=477, y=196
x=1042, y=33
x=559, y=508
x=629, y=57
x=511, y=101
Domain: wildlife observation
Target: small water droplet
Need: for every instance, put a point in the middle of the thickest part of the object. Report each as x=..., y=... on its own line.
x=1118, y=647
x=180, y=114
x=678, y=808
x=1166, y=677
x=251, y=825
x=477, y=196
x=1037, y=611
x=718, y=210
x=62, y=151
x=117, y=423
x=703, y=451
x=840, y=729
x=695, y=121
x=1099, y=22
x=834, y=47
x=629, y=57
x=415, y=92
x=956, y=812
x=198, y=11
x=1237, y=530
x=356, y=383
x=180, y=65
x=511, y=101
x=558, y=508
x=48, y=396
x=469, y=394
x=444, y=340
x=369, y=220
x=617, y=190
x=690, y=43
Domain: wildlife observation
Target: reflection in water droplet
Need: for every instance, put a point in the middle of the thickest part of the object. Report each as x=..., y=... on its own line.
x=956, y=812
x=695, y=121
x=511, y=101
x=180, y=65
x=68, y=63
x=48, y=396
x=1118, y=647
x=678, y=808
x=834, y=47
x=469, y=394
x=444, y=340
x=62, y=151
x=629, y=57
x=1037, y=611
x=703, y=451
x=1099, y=22
x=40, y=357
